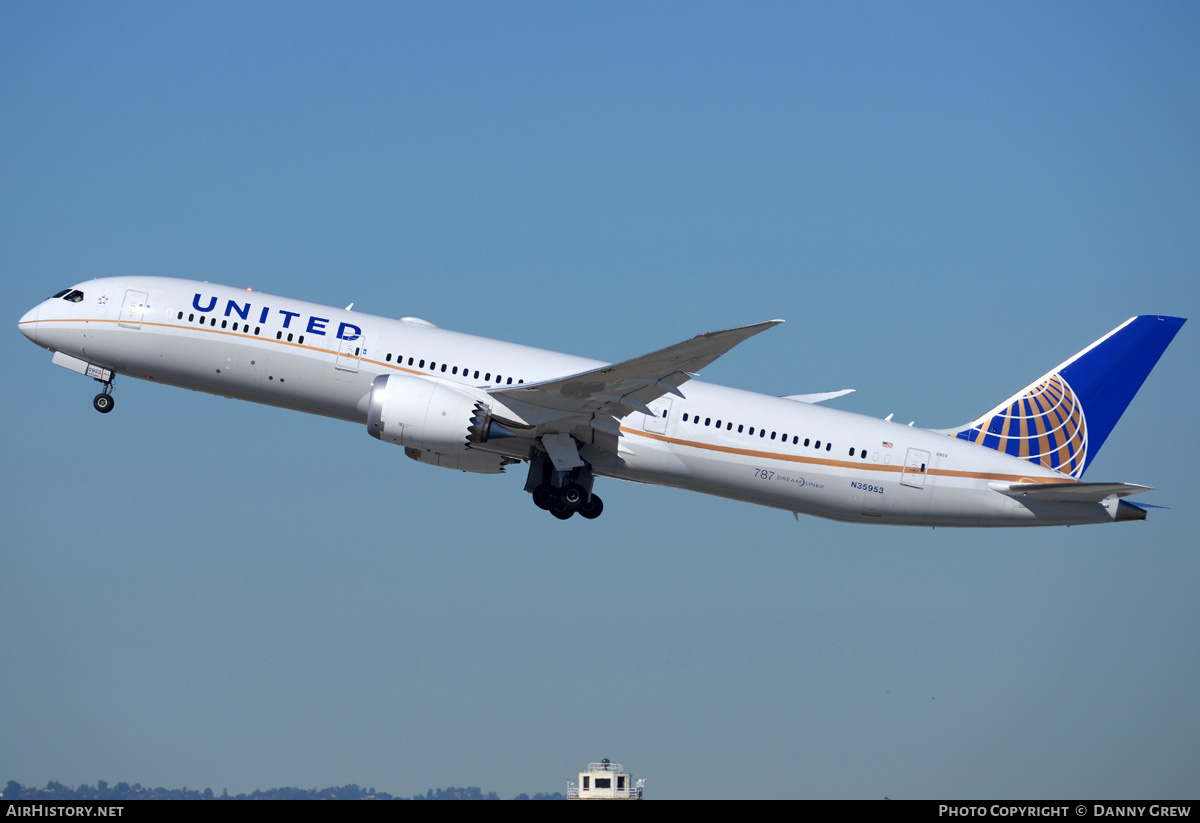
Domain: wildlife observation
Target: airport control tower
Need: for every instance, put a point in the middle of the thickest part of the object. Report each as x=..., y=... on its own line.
x=605, y=781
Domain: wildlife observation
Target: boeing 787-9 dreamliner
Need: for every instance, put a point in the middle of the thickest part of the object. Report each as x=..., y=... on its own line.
x=472, y=404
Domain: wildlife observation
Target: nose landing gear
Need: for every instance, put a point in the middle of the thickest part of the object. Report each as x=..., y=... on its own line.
x=104, y=401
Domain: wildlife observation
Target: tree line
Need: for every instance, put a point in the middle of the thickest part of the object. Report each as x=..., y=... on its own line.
x=124, y=791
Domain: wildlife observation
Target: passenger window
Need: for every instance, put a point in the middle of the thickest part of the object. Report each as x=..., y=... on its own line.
x=828, y=446
x=708, y=421
x=739, y=428
x=685, y=417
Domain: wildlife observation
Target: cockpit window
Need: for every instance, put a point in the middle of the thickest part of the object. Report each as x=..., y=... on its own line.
x=62, y=293
x=73, y=296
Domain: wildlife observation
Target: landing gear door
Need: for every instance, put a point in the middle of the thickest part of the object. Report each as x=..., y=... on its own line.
x=916, y=466
x=657, y=422
x=133, y=309
x=350, y=351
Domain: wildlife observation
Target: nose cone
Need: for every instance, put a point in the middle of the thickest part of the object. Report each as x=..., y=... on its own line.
x=28, y=323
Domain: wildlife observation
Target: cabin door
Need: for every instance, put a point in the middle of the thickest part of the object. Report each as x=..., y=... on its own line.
x=657, y=422
x=916, y=466
x=133, y=309
x=350, y=352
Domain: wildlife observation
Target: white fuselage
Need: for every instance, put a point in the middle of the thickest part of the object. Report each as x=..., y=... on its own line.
x=775, y=452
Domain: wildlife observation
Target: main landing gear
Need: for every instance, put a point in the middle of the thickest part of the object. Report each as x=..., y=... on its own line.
x=563, y=492
x=566, y=501
x=104, y=401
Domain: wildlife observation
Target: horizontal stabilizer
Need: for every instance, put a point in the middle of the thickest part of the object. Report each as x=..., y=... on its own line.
x=1069, y=492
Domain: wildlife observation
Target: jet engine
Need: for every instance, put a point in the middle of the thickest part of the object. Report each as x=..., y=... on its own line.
x=431, y=415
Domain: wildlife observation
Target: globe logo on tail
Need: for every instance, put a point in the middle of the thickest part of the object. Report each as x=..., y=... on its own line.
x=1045, y=425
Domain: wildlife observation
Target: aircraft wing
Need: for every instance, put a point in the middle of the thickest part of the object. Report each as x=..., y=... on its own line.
x=817, y=397
x=1070, y=492
x=620, y=389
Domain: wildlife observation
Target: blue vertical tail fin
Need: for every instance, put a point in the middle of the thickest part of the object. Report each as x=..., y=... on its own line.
x=1063, y=418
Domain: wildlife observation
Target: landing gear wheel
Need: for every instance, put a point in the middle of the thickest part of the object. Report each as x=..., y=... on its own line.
x=574, y=496
x=592, y=508
x=543, y=497
x=562, y=511
x=103, y=402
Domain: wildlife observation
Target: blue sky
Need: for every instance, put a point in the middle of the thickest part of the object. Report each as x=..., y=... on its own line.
x=943, y=200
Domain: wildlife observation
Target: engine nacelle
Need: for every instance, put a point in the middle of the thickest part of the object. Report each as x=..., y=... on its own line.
x=420, y=413
x=430, y=415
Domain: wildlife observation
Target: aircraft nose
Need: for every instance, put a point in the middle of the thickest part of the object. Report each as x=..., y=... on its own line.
x=28, y=323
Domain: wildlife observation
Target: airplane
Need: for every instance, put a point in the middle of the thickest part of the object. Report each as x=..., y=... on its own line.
x=478, y=405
